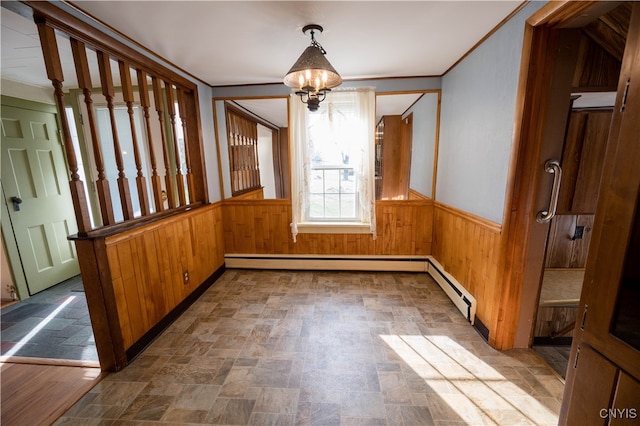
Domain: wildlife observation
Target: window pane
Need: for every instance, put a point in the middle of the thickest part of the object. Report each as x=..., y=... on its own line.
x=316, y=185
x=332, y=181
x=348, y=206
x=316, y=206
x=348, y=184
x=332, y=206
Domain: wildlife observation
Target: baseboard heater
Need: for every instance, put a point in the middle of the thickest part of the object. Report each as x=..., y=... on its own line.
x=463, y=300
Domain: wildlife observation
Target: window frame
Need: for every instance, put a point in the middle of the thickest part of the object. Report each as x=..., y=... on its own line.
x=363, y=222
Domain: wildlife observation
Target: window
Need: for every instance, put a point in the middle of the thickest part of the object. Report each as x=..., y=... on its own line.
x=333, y=164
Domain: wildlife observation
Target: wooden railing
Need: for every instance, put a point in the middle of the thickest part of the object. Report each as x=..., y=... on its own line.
x=163, y=148
x=242, y=137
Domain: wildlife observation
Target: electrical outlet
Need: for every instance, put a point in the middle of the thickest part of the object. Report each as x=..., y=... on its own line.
x=185, y=276
x=578, y=233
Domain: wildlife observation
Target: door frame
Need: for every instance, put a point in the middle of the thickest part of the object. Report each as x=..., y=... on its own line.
x=522, y=241
x=8, y=237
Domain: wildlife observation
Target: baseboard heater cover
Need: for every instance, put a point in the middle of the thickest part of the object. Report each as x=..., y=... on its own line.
x=463, y=300
x=328, y=263
x=459, y=295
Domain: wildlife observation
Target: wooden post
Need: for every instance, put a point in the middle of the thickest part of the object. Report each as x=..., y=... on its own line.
x=176, y=145
x=156, y=184
x=54, y=73
x=157, y=96
x=84, y=82
x=106, y=80
x=127, y=94
x=183, y=118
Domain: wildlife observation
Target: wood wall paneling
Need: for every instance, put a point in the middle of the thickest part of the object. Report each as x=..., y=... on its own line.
x=102, y=303
x=596, y=69
x=394, y=136
x=591, y=161
x=415, y=195
x=468, y=248
x=570, y=164
x=562, y=250
x=552, y=319
x=582, y=161
x=263, y=226
x=145, y=270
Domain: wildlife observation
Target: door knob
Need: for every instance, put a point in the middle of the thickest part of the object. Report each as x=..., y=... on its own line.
x=16, y=203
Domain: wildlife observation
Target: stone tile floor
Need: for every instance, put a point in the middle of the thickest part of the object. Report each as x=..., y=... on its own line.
x=324, y=348
x=53, y=324
x=556, y=356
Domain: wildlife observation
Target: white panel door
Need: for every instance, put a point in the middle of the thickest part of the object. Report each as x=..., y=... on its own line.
x=36, y=190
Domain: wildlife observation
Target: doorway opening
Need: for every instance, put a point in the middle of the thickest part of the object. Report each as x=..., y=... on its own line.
x=46, y=314
x=570, y=229
x=586, y=68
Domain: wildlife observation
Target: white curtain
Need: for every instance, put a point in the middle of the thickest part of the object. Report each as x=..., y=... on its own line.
x=300, y=161
x=361, y=103
x=366, y=102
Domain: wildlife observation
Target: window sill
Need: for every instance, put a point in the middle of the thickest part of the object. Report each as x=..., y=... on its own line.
x=334, y=228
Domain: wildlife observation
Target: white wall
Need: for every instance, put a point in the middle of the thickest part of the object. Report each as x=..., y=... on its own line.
x=26, y=91
x=224, y=147
x=265, y=160
x=477, y=120
x=425, y=114
x=209, y=142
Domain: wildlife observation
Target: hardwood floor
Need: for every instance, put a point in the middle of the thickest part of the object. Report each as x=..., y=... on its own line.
x=38, y=394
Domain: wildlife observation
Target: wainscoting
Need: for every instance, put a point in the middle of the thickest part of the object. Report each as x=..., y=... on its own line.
x=262, y=226
x=468, y=248
x=135, y=279
x=155, y=268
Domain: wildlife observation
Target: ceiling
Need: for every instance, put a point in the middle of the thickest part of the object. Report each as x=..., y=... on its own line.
x=256, y=42
x=249, y=42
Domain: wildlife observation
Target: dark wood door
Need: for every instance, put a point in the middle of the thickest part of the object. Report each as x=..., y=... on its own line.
x=607, y=336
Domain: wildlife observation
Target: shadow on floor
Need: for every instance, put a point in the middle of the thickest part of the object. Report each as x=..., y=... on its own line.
x=557, y=357
x=53, y=324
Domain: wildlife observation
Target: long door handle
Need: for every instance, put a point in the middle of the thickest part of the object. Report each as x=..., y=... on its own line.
x=553, y=167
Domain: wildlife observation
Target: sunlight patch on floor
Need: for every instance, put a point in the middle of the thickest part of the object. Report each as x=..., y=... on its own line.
x=38, y=327
x=475, y=390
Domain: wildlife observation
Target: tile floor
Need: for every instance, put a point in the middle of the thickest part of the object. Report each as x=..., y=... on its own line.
x=53, y=324
x=556, y=356
x=324, y=348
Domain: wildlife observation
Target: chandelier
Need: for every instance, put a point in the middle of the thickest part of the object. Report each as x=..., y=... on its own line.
x=312, y=74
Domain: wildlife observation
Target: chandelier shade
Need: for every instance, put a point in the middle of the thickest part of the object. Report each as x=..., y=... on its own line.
x=312, y=74
x=310, y=68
